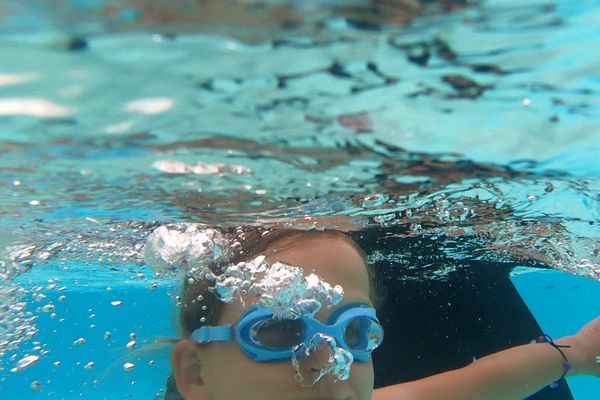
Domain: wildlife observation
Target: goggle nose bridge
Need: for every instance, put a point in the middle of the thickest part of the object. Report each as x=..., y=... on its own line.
x=332, y=330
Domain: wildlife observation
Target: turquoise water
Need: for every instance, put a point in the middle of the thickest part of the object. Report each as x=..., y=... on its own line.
x=561, y=304
x=475, y=129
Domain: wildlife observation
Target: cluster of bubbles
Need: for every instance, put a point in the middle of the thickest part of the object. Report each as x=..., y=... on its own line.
x=279, y=287
x=17, y=324
x=28, y=360
x=14, y=260
x=283, y=289
x=494, y=225
x=92, y=241
x=88, y=241
x=182, y=246
x=323, y=352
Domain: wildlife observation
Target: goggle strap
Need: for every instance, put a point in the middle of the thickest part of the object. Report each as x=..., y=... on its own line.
x=208, y=334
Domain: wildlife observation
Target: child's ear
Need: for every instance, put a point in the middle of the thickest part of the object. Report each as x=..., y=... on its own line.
x=187, y=370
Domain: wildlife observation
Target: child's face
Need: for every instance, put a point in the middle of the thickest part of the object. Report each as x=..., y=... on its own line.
x=221, y=371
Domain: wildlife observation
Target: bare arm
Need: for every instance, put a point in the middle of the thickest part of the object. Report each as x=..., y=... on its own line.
x=512, y=374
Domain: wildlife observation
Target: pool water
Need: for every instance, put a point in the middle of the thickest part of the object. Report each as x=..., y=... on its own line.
x=471, y=133
x=561, y=303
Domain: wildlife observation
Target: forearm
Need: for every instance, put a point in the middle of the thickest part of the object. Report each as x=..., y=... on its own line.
x=512, y=374
x=517, y=372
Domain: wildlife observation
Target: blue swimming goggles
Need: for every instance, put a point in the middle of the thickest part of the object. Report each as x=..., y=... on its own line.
x=265, y=338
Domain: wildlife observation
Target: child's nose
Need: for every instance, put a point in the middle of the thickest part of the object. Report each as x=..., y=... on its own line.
x=320, y=356
x=323, y=358
x=314, y=363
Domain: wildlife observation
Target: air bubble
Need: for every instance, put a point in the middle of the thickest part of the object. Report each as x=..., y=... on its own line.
x=107, y=336
x=382, y=219
x=89, y=365
x=374, y=200
x=116, y=303
x=79, y=341
x=131, y=344
x=128, y=366
x=48, y=307
x=36, y=385
x=26, y=361
x=40, y=297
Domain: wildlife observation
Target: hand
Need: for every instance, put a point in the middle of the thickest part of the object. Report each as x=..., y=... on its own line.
x=586, y=348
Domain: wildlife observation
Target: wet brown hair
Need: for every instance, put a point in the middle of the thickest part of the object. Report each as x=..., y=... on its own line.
x=199, y=304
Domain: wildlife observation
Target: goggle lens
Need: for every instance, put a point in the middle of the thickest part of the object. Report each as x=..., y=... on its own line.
x=363, y=334
x=278, y=334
